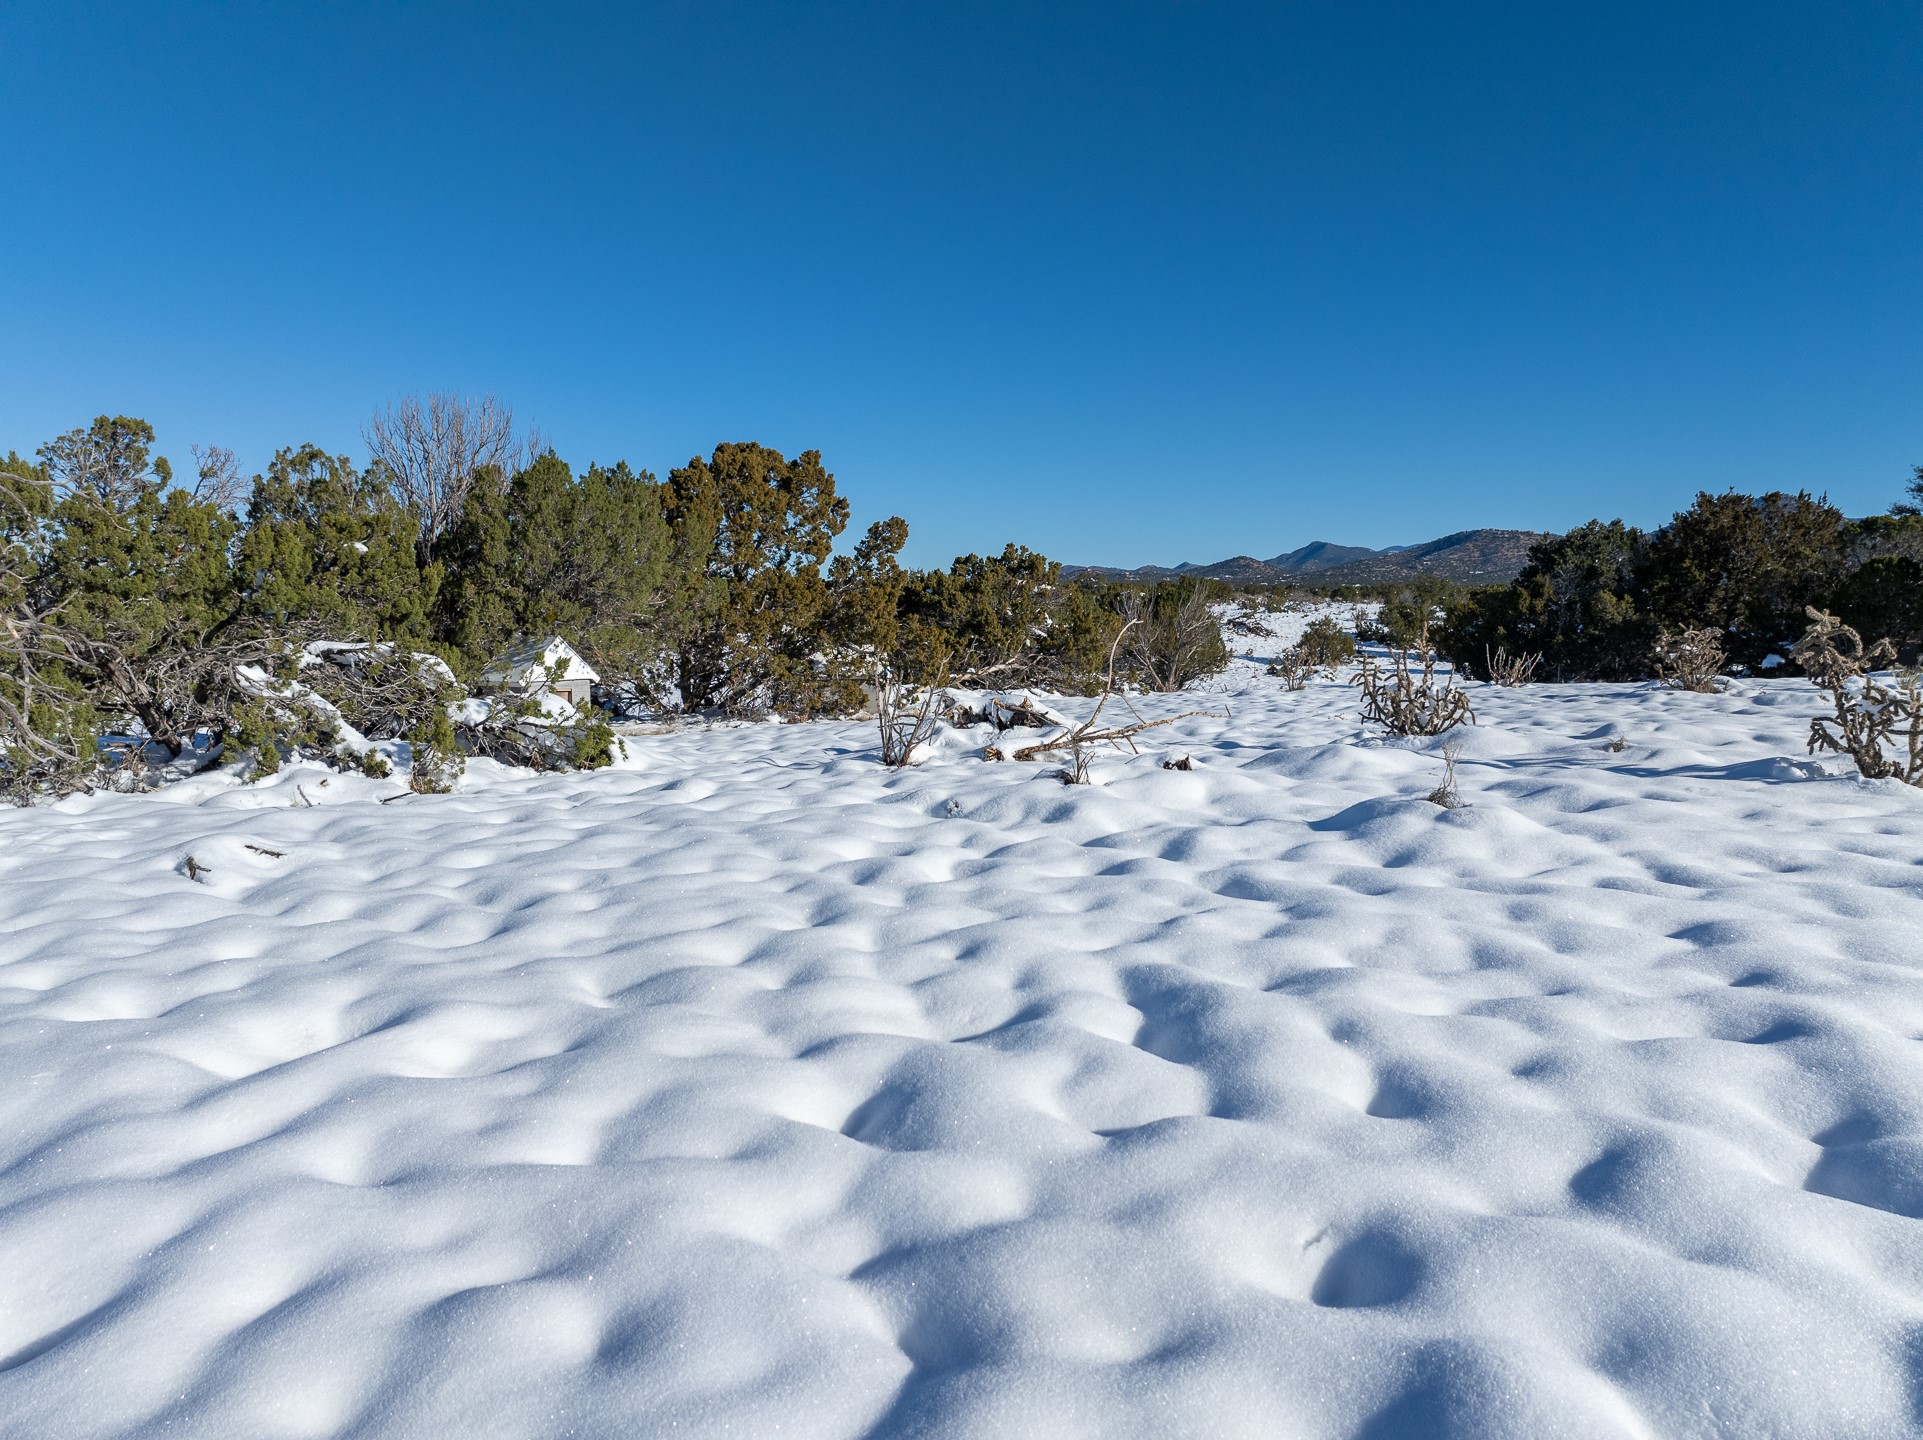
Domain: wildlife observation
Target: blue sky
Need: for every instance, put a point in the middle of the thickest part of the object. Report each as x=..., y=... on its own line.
x=1124, y=282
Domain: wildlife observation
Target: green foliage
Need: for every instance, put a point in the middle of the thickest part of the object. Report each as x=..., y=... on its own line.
x=140, y=593
x=1745, y=565
x=275, y=728
x=1594, y=602
x=585, y=558
x=437, y=761
x=1408, y=612
x=769, y=524
x=1913, y=506
x=255, y=731
x=1325, y=645
x=1006, y=620
x=865, y=590
x=1884, y=597
x=111, y=461
x=986, y=614
x=591, y=742
x=327, y=551
x=1574, y=604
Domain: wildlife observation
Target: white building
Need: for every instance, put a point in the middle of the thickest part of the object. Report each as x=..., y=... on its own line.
x=537, y=667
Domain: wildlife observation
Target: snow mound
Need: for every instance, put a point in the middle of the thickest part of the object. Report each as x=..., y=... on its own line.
x=760, y=1090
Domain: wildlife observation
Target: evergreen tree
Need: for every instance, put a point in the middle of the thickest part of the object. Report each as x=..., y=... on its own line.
x=769, y=524
x=1575, y=603
x=587, y=559
x=328, y=551
x=1914, y=505
x=1746, y=565
x=1007, y=619
x=141, y=593
x=863, y=622
x=111, y=460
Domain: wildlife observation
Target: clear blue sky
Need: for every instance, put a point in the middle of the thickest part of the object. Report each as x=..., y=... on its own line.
x=1124, y=282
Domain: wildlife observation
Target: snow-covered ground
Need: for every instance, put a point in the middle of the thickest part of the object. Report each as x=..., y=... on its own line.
x=755, y=1090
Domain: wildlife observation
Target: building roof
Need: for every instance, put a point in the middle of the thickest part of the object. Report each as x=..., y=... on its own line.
x=542, y=661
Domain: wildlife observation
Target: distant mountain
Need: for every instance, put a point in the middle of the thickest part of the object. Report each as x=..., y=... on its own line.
x=1472, y=557
x=1321, y=555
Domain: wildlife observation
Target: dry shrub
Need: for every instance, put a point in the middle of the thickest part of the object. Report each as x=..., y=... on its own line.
x=1872, y=718
x=1691, y=660
x=1404, y=702
x=1292, y=669
x=906, y=724
x=1078, y=740
x=1508, y=670
x=1446, y=794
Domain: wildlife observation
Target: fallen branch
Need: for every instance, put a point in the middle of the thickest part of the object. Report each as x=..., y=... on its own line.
x=1078, y=739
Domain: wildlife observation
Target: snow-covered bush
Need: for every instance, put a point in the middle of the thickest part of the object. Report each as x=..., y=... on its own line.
x=1405, y=702
x=272, y=728
x=1877, y=723
x=541, y=731
x=383, y=691
x=1691, y=660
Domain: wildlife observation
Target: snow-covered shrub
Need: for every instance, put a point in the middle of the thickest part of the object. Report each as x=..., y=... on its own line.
x=1510, y=671
x=1878, y=724
x=1293, y=671
x=1691, y=660
x=541, y=731
x=282, y=719
x=437, y=758
x=381, y=690
x=590, y=742
x=1404, y=702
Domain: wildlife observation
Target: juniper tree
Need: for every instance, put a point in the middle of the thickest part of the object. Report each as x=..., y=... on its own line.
x=1747, y=565
x=111, y=461
x=769, y=524
x=1576, y=603
x=328, y=551
x=587, y=558
x=137, y=602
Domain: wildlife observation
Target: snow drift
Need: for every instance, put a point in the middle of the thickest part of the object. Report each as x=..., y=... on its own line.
x=753, y=1089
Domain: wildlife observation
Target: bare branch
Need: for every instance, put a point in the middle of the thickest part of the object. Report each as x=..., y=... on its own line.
x=219, y=482
x=433, y=450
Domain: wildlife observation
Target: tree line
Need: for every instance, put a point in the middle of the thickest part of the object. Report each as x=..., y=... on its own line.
x=1598, y=602
x=139, y=602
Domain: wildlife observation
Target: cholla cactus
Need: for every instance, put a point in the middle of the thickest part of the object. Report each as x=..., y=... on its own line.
x=1405, y=702
x=1877, y=724
x=1691, y=660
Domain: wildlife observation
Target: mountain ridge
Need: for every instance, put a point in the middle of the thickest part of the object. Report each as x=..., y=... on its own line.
x=1470, y=557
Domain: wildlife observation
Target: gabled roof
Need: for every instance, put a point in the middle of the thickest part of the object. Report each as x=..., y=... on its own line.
x=547, y=661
